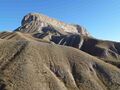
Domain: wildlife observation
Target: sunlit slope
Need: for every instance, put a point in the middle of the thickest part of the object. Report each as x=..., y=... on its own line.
x=20, y=36
x=28, y=65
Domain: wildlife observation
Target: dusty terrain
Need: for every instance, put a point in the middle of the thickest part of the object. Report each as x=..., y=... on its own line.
x=49, y=58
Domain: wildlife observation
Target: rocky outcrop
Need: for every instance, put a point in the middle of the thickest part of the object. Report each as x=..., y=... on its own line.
x=73, y=40
x=34, y=23
x=82, y=30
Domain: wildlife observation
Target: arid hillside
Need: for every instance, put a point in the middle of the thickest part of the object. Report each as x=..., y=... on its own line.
x=40, y=55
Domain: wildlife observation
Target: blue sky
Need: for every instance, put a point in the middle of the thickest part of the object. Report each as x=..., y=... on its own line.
x=100, y=17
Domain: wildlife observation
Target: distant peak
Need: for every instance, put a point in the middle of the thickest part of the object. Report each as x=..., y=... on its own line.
x=35, y=22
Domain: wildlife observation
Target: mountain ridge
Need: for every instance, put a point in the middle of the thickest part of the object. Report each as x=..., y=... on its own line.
x=40, y=21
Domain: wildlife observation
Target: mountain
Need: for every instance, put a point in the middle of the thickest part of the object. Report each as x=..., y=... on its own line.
x=35, y=22
x=47, y=54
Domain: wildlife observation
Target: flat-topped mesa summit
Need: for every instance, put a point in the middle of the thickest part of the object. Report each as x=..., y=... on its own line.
x=35, y=22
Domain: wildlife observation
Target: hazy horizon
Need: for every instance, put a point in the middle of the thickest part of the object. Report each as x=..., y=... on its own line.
x=101, y=18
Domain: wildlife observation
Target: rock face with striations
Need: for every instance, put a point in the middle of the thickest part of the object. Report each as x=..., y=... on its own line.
x=44, y=27
x=34, y=22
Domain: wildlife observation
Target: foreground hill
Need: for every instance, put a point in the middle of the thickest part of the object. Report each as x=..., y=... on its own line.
x=31, y=65
x=50, y=58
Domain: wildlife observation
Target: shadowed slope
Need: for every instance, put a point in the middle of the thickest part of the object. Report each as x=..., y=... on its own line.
x=108, y=51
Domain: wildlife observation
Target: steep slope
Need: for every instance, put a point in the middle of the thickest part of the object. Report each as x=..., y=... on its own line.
x=20, y=36
x=27, y=65
x=35, y=23
x=107, y=51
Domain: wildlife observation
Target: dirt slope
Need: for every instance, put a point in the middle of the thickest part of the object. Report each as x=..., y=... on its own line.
x=31, y=65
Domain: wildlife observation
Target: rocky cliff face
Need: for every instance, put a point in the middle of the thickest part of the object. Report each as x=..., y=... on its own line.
x=35, y=22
